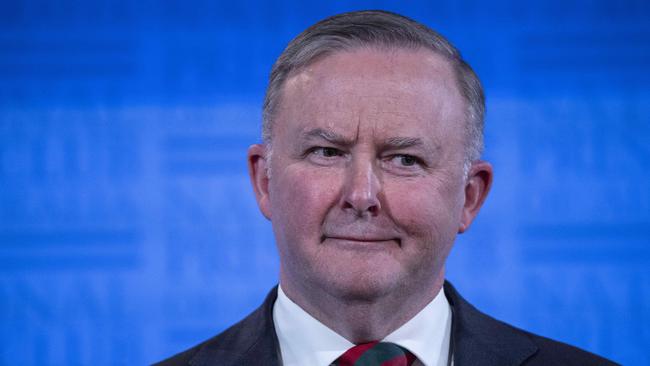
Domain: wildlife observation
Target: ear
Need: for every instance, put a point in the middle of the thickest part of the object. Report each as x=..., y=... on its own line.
x=477, y=186
x=258, y=172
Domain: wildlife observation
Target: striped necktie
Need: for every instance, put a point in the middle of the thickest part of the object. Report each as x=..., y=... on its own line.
x=375, y=354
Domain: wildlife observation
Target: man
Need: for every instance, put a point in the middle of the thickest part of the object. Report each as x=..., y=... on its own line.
x=373, y=129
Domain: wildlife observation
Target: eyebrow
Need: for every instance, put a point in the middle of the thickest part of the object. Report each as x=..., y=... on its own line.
x=395, y=143
x=330, y=136
x=392, y=143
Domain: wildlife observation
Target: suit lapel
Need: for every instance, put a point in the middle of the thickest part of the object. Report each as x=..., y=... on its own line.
x=481, y=340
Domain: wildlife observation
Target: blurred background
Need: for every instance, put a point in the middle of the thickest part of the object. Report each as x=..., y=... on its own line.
x=129, y=231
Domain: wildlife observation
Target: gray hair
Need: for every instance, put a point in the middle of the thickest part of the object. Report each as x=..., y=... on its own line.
x=353, y=30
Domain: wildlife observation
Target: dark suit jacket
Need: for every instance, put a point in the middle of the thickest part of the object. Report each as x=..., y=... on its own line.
x=478, y=340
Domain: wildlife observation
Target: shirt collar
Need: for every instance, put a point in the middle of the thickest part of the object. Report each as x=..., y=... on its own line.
x=427, y=334
x=303, y=339
x=306, y=341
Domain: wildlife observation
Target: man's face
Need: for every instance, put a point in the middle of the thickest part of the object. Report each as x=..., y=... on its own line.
x=366, y=191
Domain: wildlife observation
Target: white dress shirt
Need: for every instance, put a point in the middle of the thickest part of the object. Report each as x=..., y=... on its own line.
x=304, y=341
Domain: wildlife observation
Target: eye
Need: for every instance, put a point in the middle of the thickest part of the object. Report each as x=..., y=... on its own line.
x=327, y=152
x=407, y=160
x=404, y=160
x=324, y=155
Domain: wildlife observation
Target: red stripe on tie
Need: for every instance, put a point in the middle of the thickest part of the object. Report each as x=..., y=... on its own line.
x=353, y=354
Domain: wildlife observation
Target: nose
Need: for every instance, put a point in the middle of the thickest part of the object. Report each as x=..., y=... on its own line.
x=362, y=189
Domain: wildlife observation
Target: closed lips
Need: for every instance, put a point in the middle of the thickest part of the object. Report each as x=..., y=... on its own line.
x=351, y=238
x=361, y=239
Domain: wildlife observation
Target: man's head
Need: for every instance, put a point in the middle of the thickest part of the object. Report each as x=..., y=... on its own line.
x=379, y=29
x=371, y=180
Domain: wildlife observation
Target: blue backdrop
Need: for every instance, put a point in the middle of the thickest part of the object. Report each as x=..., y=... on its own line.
x=128, y=230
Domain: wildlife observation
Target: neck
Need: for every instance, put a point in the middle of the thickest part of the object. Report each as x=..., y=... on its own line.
x=363, y=319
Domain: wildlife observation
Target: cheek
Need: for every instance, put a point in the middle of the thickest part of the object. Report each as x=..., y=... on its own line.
x=426, y=211
x=301, y=198
x=410, y=207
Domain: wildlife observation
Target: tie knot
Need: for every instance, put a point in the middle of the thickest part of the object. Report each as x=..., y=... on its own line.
x=375, y=354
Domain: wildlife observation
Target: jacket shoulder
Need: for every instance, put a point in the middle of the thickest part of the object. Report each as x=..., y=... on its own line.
x=254, y=336
x=180, y=359
x=483, y=340
x=551, y=352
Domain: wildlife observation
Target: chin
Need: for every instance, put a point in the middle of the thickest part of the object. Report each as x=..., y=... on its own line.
x=364, y=286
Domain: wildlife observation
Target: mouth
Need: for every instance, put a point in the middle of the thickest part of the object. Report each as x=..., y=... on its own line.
x=361, y=240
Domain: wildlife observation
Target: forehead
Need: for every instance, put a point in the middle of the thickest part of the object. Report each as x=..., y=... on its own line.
x=386, y=90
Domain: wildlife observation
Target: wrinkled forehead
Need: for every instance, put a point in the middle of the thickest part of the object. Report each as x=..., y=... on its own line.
x=380, y=88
